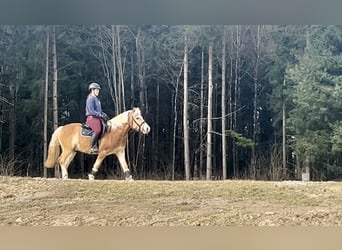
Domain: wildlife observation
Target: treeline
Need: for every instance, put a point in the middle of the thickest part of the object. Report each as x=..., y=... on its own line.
x=272, y=95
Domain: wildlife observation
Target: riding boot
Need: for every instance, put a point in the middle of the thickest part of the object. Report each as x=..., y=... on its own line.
x=93, y=144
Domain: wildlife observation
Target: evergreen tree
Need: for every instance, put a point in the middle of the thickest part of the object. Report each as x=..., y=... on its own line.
x=314, y=118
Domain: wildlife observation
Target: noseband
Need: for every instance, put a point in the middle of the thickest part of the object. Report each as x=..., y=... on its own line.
x=133, y=120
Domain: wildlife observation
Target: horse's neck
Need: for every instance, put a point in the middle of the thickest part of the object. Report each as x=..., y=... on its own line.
x=119, y=121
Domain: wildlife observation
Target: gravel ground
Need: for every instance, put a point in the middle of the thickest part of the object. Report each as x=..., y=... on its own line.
x=76, y=202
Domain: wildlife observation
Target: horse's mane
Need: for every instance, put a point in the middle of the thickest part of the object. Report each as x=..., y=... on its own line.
x=118, y=121
x=122, y=119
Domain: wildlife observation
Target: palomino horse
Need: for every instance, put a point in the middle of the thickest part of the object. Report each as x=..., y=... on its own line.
x=70, y=140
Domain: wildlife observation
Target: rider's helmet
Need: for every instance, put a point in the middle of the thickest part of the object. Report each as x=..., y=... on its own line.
x=94, y=85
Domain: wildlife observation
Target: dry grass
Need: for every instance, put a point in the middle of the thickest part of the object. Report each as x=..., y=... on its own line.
x=37, y=201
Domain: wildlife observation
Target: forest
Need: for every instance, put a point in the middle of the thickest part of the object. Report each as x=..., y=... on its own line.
x=259, y=102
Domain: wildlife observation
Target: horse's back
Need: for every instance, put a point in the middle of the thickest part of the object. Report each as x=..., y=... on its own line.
x=72, y=128
x=70, y=134
x=73, y=125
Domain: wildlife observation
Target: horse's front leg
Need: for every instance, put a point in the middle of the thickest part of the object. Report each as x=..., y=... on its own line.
x=124, y=166
x=96, y=166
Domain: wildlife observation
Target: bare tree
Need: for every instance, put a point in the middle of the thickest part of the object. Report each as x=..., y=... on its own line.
x=113, y=64
x=175, y=122
x=230, y=87
x=210, y=114
x=108, y=62
x=237, y=43
x=141, y=70
x=284, y=133
x=46, y=97
x=256, y=63
x=223, y=107
x=114, y=86
x=185, y=113
x=155, y=136
x=131, y=147
x=1, y=112
x=118, y=64
x=54, y=88
x=12, y=118
x=55, y=79
x=201, y=123
x=142, y=91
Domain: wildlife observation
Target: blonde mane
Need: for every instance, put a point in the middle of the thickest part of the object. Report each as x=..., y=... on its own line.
x=122, y=119
x=118, y=121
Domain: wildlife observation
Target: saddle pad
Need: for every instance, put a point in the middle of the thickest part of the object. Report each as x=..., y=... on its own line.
x=86, y=130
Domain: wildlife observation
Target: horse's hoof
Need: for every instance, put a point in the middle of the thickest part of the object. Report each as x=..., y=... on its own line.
x=129, y=178
x=91, y=177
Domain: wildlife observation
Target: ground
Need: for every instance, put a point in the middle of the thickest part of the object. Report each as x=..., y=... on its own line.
x=54, y=202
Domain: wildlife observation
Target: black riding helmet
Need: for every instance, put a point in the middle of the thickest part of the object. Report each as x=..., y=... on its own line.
x=94, y=85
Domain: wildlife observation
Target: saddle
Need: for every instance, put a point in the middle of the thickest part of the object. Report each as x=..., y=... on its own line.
x=87, y=131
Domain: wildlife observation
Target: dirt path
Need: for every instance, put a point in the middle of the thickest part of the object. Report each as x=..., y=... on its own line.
x=38, y=201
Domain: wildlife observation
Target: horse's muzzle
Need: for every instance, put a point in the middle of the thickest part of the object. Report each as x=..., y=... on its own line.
x=145, y=129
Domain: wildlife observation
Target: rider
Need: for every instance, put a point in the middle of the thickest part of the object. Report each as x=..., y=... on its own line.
x=94, y=115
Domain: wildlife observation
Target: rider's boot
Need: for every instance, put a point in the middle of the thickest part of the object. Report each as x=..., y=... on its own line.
x=93, y=144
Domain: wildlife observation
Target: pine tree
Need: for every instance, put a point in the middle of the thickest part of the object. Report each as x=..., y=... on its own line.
x=316, y=80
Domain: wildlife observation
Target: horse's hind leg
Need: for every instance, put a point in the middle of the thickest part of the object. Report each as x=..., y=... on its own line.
x=64, y=161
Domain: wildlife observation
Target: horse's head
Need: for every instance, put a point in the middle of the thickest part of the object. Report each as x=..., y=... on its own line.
x=137, y=122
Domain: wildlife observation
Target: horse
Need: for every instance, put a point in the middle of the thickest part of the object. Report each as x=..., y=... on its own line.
x=69, y=140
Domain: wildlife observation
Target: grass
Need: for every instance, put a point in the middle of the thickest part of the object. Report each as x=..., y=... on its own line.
x=36, y=201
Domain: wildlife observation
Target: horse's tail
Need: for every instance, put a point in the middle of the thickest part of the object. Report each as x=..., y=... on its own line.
x=54, y=149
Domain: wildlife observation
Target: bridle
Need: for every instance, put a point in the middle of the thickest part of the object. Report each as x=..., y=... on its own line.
x=135, y=121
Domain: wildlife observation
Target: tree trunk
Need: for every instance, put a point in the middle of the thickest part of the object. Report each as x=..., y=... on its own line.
x=54, y=83
x=121, y=88
x=255, y=100
x=132, y=145
x=185, y=114
x=54, y=88
x=210, y=107
x=46, y=89
x=175, y=121
x=115, y=85
x=223, y=107
x=230, y=90
x=142, y=93
x=236, y=97
x=12, y=118
x=1, y=111
x=140, y=63
x=284, y=134
x=200, y=170
x=307, y=168
x=155, y=136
